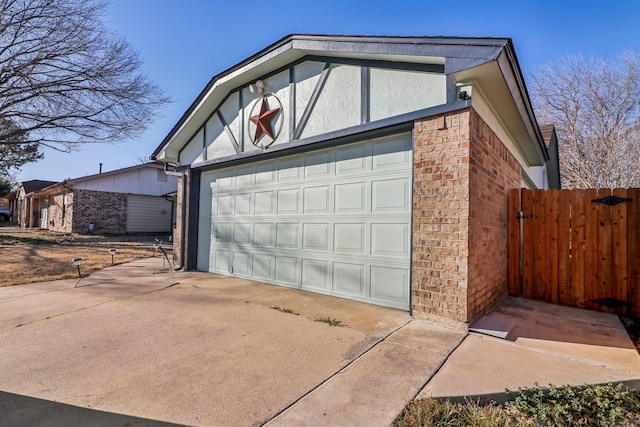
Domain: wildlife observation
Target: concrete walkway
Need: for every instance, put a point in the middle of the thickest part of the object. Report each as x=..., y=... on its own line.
x=549, y=344
x=139, y=345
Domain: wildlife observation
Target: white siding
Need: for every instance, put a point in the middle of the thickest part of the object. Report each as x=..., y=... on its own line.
x=133, y=181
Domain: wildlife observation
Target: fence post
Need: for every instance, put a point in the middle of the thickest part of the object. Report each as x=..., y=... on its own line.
x=515, y=243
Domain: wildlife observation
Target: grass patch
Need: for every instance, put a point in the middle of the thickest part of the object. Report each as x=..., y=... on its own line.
x=329, y=321
x=284, y=310
x=585, y=405
x=39, y=255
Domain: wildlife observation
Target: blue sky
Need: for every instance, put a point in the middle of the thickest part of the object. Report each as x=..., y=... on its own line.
x=183, y=43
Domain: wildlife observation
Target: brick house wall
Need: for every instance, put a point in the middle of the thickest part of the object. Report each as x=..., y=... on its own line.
x=462, y=173
x=59, y=214
x=107, y=210
x=493, y=171
x=441, y=217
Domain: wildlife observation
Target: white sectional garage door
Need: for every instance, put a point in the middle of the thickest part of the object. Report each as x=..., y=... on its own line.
x=334, y=221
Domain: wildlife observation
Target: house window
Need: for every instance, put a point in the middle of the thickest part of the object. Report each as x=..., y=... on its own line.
x=162, y=177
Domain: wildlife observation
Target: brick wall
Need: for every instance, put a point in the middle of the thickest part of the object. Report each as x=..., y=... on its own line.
x=462, y=173
x=107, y=210
x=177, y=230
x=441, y=217
x=60, y=215
x=493, y=171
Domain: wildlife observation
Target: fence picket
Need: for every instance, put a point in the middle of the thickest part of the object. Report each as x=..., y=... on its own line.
x=633, y=249
x=591, y=248
x=564, y=247
x=551, y=250
x=539, y=261
x=578, y=253
x=620, y=251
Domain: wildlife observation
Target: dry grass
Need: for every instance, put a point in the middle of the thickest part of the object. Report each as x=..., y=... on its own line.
x=38, y=256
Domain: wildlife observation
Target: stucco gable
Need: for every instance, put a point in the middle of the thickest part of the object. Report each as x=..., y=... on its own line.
x=326, y=87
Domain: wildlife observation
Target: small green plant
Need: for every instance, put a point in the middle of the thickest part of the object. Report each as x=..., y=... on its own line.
x=329, y=321
x=284, y=310
x=584, y=405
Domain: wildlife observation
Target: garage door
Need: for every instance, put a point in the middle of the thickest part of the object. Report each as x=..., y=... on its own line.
x=334, y=221
x=148, y=214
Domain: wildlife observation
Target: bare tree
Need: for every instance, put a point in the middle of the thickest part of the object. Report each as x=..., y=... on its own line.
x=66, y=79
x=595, y=106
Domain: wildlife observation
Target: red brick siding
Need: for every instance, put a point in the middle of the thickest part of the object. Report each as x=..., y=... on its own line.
x=441, y=217
x=493, y=171
x=462, y=173
x=107, y=210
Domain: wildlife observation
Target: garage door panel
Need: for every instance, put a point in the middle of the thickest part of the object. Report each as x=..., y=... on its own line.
x=288, y=201
x=243, y=205
x=222, y=260
x=242, y=233
x=351, y=160
x=334, y=221
x=349, y=238
x=348, y=279
x=391, y=195
x=264, y=235
x=287, y=236
x=244, y=177
x=226, y=181
x=315, y=275
x=317, y=165
x=287, y=270
x=223, y=233
x=389, y=284
x=224, y=205
x=350, y=198
x=289, y=169
x=390, y=155
x=315, y=237
x=263, y=266
x=242, y=263
x=265, y=173
x=316, y=200
x=265, y=202
x=390, y=240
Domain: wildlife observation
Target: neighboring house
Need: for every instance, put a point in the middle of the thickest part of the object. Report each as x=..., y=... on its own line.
x=27, y=209
x=368, y=168
x=129, y=200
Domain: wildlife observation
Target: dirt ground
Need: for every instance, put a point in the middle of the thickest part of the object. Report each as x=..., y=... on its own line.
x=30, y=256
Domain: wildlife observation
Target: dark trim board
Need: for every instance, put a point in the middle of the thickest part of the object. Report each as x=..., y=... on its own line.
x=396, y=124
x=193, y=219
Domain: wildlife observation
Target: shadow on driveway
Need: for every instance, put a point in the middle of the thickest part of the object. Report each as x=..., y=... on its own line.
x=23, y=411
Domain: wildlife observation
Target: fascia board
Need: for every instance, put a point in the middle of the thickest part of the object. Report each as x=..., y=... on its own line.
x=508, y=64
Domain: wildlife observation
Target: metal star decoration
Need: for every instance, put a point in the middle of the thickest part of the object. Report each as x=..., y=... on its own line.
x=263, y=120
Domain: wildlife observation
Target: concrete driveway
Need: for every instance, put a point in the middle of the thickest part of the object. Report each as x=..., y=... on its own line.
x=137, y=345
x=199, y=349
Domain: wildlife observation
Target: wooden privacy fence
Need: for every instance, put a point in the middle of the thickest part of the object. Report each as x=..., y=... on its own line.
x=579, y=248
